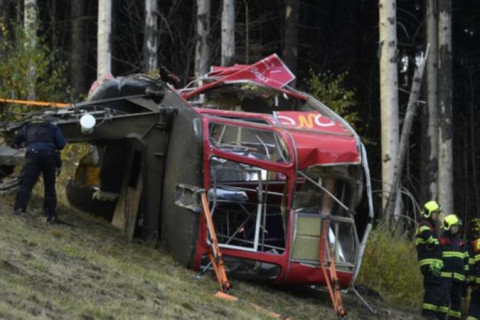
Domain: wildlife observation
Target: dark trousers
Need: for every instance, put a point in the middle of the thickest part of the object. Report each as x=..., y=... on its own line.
x=474, y=309
x=38, y=161
x=451, y=298
x=431, y=297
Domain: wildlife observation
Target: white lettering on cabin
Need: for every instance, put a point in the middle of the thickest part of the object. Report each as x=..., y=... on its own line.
x=259, y=75
x=306, y=122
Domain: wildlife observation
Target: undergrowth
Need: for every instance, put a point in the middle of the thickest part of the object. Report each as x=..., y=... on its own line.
x=390, y=267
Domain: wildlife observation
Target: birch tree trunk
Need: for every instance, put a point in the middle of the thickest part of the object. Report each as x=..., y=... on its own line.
x=202, y=49
x=228, y=33
x=30, y=25
x=388, y=94
x=104, y=51
x=404, y=138
x=290, y=48
x=445, y=177
x=429, y=142
x=150, y=41
x=77, y=54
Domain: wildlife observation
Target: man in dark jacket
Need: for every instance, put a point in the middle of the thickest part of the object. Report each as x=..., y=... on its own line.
x=43, y=140
x=429, y=259
x=455, y=267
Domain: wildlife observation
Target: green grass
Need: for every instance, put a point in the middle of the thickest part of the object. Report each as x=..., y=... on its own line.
x=390, y=267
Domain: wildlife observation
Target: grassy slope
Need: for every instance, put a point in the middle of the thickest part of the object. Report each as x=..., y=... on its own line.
x=87, y=270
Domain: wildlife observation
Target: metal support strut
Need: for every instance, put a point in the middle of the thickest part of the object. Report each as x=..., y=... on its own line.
x=332, y=281
x=187, y=197
x=215, y=254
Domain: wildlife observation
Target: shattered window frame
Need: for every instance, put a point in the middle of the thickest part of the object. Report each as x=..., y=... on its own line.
x=248, y=206
x=260, y=144
x=330, y=193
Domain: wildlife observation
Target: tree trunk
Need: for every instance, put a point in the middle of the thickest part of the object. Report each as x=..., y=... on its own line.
x=202, y=49
x=388, y=94
x=404, y=139
x=228, y=33
x=290, y=46
x=77, y=55
x=30, y=25
x=445, y=177
x=6, y=11
x=150, y=43
x=429, y=141
x=104, y=51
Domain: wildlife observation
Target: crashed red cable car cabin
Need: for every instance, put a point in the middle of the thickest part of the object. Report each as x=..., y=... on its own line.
x=285, y=179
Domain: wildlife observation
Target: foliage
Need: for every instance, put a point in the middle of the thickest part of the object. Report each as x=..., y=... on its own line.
x=331, y=90
x=17, y=58
x=390, y=267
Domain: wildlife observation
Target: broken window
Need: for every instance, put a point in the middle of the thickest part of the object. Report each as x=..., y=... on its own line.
x=326, y=193
x=248, y=206
x=249, y=142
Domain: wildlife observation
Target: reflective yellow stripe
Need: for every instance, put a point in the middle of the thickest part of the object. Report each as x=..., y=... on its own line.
x=424, y=262
x=428, y=306
x=428, y=261
x=422, y=228
x=472, y=318
x=477, y=280
x=459, y=276
x=456, y=314
x=443, y=309
x=477, y=257
x=471, y=260
x=455, y=275
x=453, y=254
x=430, y=240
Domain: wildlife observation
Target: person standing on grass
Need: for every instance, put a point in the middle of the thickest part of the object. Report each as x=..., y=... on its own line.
x=43, y=141
x=429, y=259
x=454, y=280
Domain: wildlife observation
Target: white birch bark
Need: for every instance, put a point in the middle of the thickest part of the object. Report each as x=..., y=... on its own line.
x=30, y=25
x=228, y=33
x=445, y=167
x=104, y=51
x=150, y=43
x=202, y=49
x=429, y=154
x=405, y=136
x=388, y=94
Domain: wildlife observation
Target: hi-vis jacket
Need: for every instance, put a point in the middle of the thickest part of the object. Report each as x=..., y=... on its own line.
x=455, y=258
x=428, y=248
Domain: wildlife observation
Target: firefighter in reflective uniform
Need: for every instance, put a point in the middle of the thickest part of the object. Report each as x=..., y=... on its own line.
x=454, y=281
x=43, y=139
x=474, y=265
x=429, y=258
